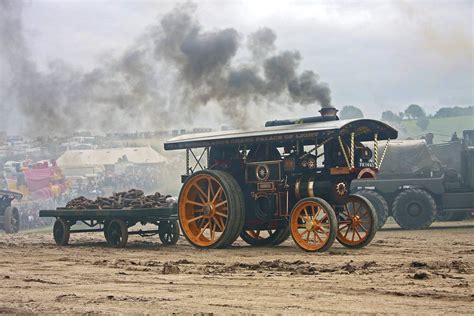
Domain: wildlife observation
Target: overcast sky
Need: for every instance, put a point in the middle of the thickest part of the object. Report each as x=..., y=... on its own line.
x=373, y=54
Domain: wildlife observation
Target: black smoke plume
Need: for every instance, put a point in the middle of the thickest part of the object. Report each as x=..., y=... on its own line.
x=165, y=78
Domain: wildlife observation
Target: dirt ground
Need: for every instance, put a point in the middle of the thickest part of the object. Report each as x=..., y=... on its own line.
x=400, y=272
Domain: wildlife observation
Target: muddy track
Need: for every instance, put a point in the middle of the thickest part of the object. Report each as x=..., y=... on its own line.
x=425, y=272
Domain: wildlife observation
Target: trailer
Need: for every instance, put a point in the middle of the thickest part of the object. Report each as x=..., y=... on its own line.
x=115, y=223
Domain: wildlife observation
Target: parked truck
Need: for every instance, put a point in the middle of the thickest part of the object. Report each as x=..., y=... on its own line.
x=419, y=183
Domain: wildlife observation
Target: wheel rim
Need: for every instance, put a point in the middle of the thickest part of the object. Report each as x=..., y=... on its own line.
x=203, y=210
x=414, y=209
x=310, y=226
x=115, y=234
x=354, y=222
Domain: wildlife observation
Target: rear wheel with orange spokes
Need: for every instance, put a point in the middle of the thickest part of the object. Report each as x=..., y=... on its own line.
x=357, y=222
x=313, y=224
x=265, y=237
x=211, y=209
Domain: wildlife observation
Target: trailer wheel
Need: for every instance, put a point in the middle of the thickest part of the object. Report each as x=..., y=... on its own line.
x=273, y=237
x=379, y=203
x=313, y=224
x=11, y=220
x=106, y=230
x=169, y=232
x=414, y=209
x=61, y=232
x=117, y=233
x=211, y=209
x=357, y=222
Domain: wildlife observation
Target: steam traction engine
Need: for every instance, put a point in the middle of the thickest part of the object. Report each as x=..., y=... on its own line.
x=292, y=177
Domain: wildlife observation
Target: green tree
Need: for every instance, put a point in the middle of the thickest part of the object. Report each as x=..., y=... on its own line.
x=389, y=116
x=350, y=112
x=414, y=111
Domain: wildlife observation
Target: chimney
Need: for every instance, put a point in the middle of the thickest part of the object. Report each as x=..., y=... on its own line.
x=328, y=112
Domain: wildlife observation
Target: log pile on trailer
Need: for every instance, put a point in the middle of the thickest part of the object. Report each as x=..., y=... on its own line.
x=116, y=215
x=122, y=200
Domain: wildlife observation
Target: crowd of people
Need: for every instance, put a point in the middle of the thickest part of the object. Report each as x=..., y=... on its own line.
x=143, y=178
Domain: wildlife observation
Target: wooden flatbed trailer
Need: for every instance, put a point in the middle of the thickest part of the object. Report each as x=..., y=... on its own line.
x=115, y=223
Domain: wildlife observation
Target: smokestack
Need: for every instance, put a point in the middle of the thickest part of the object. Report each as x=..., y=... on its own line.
x=329, y=111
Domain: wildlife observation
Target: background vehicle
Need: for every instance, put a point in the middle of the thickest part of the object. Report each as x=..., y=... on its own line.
x=421, y=182
x=9, y=215
x=292, y=177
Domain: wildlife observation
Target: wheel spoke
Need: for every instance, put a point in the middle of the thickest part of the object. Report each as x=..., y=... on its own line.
x=306, y=213
x=195, y=218
x=194, y=203
x=347, y=231
x=307, y=236
x=213, y=230
x=203, y=195
x=362, y=226
x=221, y=203
x=221, y=214
x=216, y=220
x=218, y=193
x=324, y=219
x=209, y=186
x=317, y=235
x=317, y=213
x=342, y=227
x=252, y=233
x=203, y=229
x=220, y=221
x=357, y=232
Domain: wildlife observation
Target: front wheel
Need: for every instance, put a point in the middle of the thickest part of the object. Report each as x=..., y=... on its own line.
x=313, y=224
x=357, y=222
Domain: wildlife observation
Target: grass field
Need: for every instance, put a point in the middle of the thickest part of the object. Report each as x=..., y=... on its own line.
x=443, y=128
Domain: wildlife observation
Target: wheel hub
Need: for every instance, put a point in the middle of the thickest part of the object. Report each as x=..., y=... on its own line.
x=208, y=210
x=312, y=225
x=414, y=209
x=355, y=221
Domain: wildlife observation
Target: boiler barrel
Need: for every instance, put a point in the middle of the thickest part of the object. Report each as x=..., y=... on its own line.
x=311, y=119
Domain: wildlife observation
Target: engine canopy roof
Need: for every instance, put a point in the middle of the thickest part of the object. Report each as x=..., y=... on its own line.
x=309, y=133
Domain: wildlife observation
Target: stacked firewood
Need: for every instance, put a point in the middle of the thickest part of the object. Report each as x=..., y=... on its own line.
x=131, y=199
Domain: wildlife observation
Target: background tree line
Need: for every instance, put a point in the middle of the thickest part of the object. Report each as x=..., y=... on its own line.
x=412, y=112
